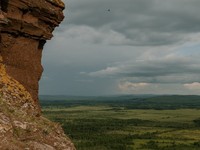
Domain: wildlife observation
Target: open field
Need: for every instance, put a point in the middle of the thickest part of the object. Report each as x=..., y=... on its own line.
x=108, y=127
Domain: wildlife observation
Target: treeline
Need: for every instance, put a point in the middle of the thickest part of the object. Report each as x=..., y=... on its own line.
x=127, y=102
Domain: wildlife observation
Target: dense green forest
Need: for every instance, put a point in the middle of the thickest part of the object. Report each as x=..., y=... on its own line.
x=127, y=122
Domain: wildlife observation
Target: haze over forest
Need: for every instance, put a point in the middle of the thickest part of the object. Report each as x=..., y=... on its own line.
x=107, y=47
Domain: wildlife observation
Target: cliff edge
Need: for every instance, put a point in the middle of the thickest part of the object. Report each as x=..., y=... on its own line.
x=25, y=25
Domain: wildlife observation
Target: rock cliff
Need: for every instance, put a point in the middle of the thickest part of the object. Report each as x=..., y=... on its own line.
x=25, y=25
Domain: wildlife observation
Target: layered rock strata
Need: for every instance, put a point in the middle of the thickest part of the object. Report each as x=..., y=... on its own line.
x=25, y=25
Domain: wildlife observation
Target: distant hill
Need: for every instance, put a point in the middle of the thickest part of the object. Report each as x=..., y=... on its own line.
x=126, y=101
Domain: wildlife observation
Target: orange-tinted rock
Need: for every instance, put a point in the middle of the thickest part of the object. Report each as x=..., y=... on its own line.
x=29, y=24
x=25, y=25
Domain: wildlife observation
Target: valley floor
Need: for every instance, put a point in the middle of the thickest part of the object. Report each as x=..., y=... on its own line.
x=103, y=127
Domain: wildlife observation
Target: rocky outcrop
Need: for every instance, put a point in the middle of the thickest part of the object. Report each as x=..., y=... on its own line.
x=22, y=131
x=25, y=25
x=29, y=24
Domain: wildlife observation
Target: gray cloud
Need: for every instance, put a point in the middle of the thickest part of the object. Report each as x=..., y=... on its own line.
x=163, y=70
x=142, y=22
x=142, y=46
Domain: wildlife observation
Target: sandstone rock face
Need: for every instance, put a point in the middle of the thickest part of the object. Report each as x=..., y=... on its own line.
x=25, y=25
x=29, y=24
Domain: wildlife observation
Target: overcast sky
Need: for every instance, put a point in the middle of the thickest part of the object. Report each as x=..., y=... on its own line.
x=106, y=47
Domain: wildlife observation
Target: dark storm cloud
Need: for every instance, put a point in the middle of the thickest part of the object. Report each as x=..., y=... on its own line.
x=142, y=22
